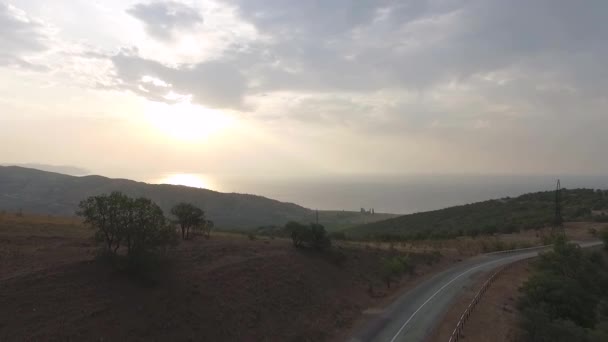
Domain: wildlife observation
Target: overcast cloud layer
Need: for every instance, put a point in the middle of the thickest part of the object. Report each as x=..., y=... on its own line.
x=342, y=86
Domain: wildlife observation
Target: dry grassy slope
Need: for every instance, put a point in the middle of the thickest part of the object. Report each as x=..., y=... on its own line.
x=224, y=289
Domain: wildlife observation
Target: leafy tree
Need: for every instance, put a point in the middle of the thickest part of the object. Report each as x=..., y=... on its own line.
x=299, y=233
x=566, y=297
x=105, y=213
x=207, y=228
x=318, y=237
x=137, y=224
x=188, y=217
x=148, y=229
x=391, y=268
x=313, y=235
x=539, y=327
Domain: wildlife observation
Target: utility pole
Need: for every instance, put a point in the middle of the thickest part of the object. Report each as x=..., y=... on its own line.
x=558, y=220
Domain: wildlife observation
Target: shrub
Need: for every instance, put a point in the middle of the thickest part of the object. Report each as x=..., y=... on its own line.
x=138, y=225
x=319, y=239
x=189, y=217
x=391, y=268
x=394, y=267
x=299, y=233
x=313, y=235
x=564, y=298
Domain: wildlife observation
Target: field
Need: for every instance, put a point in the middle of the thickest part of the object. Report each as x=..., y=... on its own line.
x=466, y=246
x=228, y=288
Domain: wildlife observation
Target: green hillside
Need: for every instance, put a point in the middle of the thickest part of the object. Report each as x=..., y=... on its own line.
x=42, y=192
x=504, y=215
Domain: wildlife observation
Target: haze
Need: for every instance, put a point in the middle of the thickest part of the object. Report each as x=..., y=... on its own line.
x=212, y=91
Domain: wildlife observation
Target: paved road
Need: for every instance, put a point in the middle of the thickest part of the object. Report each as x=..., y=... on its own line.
x=414, y=314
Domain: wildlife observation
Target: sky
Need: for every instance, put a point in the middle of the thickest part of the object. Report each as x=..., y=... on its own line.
x=278, y=89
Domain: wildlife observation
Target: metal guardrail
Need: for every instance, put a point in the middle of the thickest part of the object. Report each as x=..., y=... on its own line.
x=507, y=251
x=457, y=334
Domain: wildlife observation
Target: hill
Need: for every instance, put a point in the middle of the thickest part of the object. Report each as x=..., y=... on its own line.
x=42, y=192
x=506, y=215
x=228, y=288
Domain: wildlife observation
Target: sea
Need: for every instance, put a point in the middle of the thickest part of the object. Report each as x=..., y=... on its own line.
x=404, y=194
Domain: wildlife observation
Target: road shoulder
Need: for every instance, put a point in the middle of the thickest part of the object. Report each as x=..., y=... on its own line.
x=495, y=317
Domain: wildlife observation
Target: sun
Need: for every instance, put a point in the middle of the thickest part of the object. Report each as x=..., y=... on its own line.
x=185, y=121
x=187, y=179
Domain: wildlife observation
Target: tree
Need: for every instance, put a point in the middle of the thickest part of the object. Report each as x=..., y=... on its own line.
x=313, y=235
x=564, y=298
x=138, y=224
x=104, y=214
x=148, y=230
x=208, y=227
x=188, y=217
x=391, y=268
x=299, y=233
x=318, y=237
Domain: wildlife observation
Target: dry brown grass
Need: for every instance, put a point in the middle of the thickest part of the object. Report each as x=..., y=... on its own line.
x=228, y=288
x=468, y=246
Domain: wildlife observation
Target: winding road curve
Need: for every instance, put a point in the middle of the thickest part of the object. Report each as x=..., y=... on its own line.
x=414, y=314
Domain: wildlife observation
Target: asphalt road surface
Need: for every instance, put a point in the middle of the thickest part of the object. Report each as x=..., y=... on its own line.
x=414, y=315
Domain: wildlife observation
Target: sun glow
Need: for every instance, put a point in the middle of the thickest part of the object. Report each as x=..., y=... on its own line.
x=185, y=121
x=187, y=179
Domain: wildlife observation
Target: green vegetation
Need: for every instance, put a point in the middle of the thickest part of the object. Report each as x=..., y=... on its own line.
x=507, y=215
x=394, y=267
x=312, y=235
x=566, y=298
x=135, y=224
x=189, y=217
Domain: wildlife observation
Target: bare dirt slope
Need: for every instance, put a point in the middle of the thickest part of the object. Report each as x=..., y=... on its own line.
x=224, y=289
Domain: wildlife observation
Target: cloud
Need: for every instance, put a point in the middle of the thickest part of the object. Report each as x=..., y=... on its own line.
x=214, y=84
x=372, y=45
x=165, y=19
x=483, y=77
x=367, y=47
x=21, y=36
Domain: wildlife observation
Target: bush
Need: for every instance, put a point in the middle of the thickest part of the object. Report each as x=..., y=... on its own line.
x=313, y=235
x=190, y=217
x=538, y=326
x=395, y=267
x=564, y=298
x=137, y=225
x=319, y=239
x=299, y=233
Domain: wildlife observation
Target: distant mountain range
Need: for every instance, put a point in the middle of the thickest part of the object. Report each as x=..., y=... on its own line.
x=36, y=191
